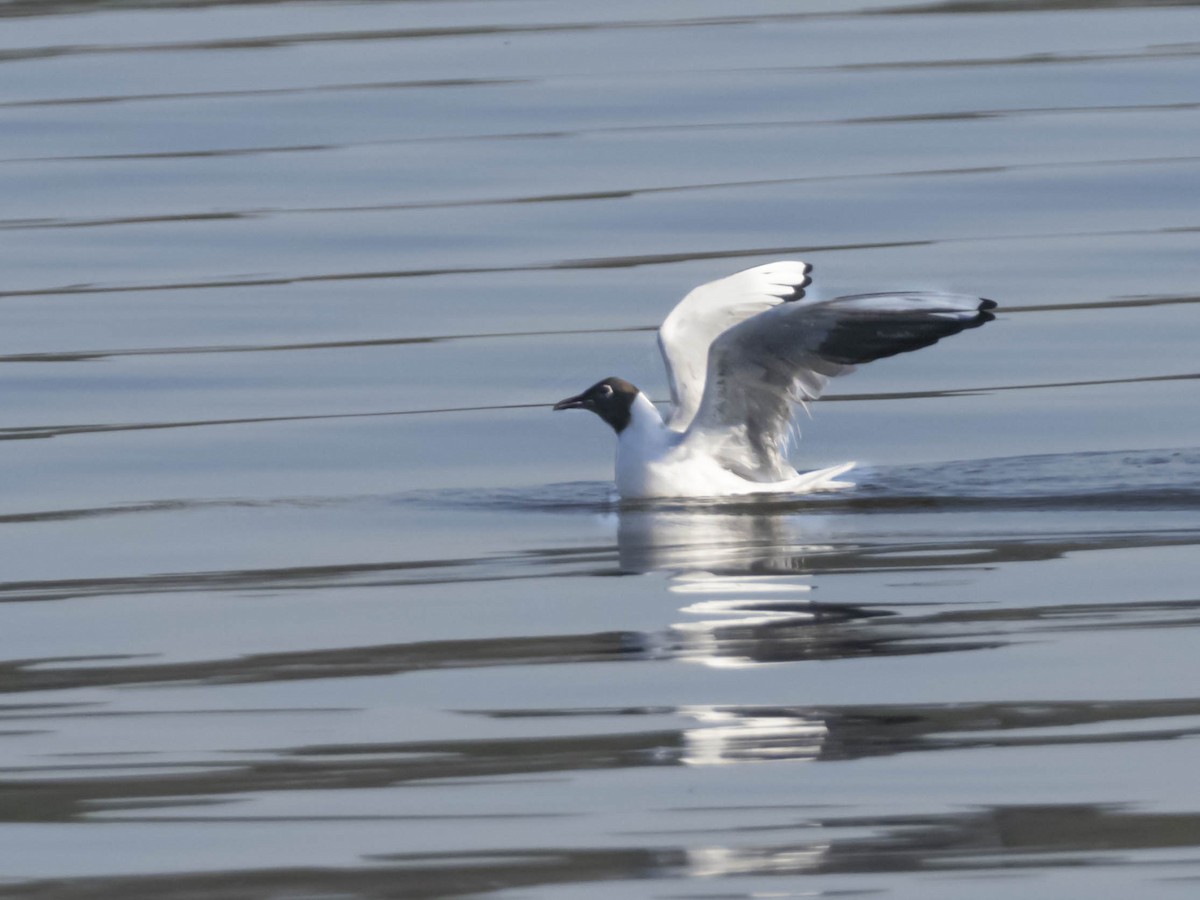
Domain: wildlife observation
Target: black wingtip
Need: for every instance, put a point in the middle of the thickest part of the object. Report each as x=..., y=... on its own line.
x=985, y=314
x=798, y=288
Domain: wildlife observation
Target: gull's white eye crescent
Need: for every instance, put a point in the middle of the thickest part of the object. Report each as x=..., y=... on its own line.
x=606, y=390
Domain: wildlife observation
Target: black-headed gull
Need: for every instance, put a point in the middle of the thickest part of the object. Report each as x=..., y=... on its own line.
x=739, y=353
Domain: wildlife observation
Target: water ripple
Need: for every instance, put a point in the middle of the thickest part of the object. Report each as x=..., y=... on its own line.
x=573, y=197
x=604, y=262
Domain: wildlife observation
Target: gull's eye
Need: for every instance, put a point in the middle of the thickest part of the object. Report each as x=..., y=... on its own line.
x=606, y=390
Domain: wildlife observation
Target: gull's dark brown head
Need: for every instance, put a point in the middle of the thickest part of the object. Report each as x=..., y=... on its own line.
x=610, y=399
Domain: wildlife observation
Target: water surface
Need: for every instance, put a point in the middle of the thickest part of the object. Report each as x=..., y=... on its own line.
x=306, y=593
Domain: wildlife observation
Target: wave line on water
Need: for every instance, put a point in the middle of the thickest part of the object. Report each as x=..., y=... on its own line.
x=934, y=116
x=275, y=41
x=101, y=99
x=42, y=432
x=585, y=263
x=87, y=355
x=64, y=356
x=35, y=222
x=434, y=83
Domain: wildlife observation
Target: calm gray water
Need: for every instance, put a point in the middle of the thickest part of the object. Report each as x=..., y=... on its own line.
x=305, y=593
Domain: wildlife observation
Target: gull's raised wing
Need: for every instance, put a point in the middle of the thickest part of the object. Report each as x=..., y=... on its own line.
x=760, y=367
x=700, y=317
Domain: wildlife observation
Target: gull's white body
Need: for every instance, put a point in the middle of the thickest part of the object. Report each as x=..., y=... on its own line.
x=740, y=353
x=655, y=461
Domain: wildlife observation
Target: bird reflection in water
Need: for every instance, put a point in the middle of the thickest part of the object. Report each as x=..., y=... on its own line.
x=742, y=580
x=738, y=736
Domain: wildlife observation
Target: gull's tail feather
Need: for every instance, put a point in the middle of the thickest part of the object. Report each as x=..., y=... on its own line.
x=819, y=480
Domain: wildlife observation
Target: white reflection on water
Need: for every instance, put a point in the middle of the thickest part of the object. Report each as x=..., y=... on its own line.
x=704, y=583
x=734, y=736
x=708, y=862
x=698, y=544
x=747, y=565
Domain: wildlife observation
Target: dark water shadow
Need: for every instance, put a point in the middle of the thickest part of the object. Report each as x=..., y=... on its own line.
x=733, y=554
x=989, y=839
x=147, y=789
x=24, y=8
x=720, y=632
x=1026, y=6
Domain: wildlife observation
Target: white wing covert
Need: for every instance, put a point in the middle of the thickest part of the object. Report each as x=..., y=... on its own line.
x=760, y=367
x=701, y=317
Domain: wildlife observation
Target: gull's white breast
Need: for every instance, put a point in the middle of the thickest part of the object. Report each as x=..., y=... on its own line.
x=654, y=461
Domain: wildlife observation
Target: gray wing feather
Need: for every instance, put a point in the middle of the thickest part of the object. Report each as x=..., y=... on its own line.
x=759, y=368
x=710, y=309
